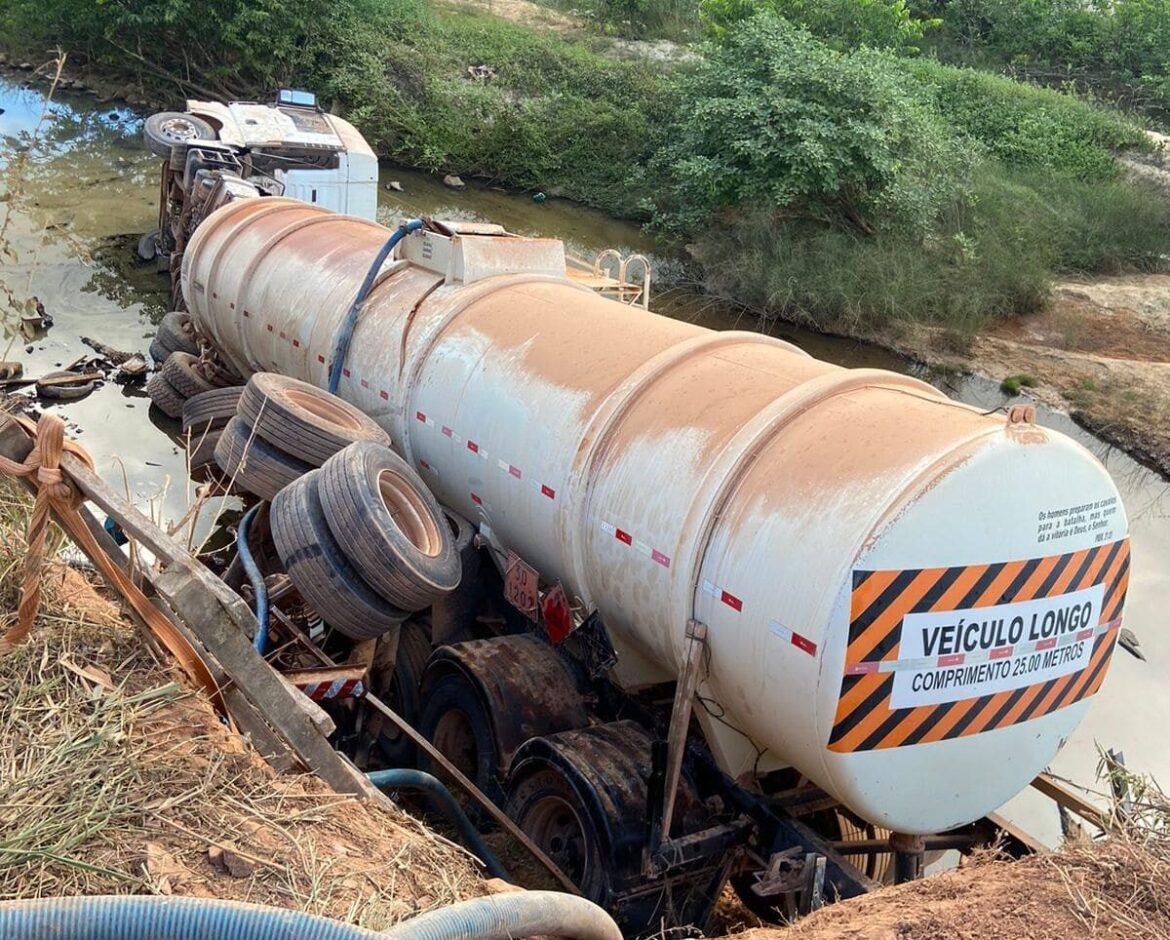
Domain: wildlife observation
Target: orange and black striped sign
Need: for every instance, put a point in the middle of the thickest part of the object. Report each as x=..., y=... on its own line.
x=866, y=717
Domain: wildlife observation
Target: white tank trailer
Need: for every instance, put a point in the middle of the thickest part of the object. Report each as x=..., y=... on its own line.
x=909, y=601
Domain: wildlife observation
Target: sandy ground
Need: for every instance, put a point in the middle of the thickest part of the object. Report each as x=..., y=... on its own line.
x=1085, y=892
x=1100, y=350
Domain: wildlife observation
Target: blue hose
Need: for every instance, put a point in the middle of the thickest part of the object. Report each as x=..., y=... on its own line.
x=155, y=918
x=260, y=641
x=152, y=917
x=351, y=317
x=405, y=779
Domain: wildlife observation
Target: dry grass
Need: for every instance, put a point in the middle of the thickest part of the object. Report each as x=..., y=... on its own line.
x=114, y=779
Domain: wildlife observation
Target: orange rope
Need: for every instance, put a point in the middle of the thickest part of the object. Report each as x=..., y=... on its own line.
x=54, y=491
x=57, y=495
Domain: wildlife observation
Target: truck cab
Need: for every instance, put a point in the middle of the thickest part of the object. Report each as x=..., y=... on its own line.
x=317, y=157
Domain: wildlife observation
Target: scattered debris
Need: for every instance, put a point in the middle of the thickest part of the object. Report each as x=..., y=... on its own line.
x=11, y=370
x=34, y=318
x=67, y=386
x=1129, y=642
x=133, y=369
x=128, y=796
x=394, y=186
x=115, y=356
x=480, y=73
x=453, y=182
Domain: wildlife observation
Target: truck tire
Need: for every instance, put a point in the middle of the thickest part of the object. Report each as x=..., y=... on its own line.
x=183, y=372
x=304, y=419
x=159, y=352
x=548, y=810
x=455, y=722
x=175, y=333
x=563, y=792
x=400, y=689
x=212, y=409
x=318, y=568
x=389, y=525
x=164, y=130
x=252, y=464
x=164, y=396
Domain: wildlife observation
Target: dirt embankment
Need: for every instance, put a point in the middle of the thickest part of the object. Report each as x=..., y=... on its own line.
x=1088, y=890
x=1100, y=350
x=115, y=779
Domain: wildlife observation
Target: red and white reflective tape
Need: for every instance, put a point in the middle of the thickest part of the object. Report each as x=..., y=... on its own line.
x=339, y=688
x=722, y=595
x=474, y=447
x=802, y=643
x=981, y=656
x=621, y=535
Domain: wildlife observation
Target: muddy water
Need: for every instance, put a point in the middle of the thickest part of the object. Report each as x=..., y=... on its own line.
x=91, y=191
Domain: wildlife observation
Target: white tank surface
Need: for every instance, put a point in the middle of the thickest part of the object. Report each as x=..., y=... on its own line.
x=909, y=601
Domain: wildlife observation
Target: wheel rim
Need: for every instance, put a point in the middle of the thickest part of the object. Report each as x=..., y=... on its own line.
x=553, y=824
x=455, y=740
x=409, y=513
x=179, y=129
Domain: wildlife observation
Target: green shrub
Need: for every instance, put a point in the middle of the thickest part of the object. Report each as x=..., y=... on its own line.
x=988, y=257
x=640, y=19
x=776, y=121
x=1012, y=384
x=1023, y=125
x=844, y=24
x=555, y=115
x=1102, y=227
x=228, y=47
x=1120, y=48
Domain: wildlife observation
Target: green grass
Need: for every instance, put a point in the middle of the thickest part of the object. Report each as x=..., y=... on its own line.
x=1012, y=384
x=556, y=116
x=994, y=255
x=847, y=189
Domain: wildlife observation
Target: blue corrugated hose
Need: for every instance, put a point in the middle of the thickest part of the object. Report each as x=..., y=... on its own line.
x=164, y=918
x=260, y=641
x=406, y=779
x=151, y=917
x=351, y=316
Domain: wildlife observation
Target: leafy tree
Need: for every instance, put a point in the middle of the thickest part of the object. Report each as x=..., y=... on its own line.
x=774, y=119
x=845, y=24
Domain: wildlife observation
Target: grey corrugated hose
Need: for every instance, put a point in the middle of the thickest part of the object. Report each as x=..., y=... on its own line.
x=499, y=917
x=511, y=916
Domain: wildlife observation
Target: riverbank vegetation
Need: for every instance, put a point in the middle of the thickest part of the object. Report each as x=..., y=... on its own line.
x=812, y=158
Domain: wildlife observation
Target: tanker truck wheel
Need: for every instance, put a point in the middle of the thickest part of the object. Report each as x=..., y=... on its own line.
x=174, y=334
x=210, y=411
x=165, y=396
x=581, y=797
x=549, y=811
x=302, y=419
x=254, y=465
x=167, y=128
x=318, y=568
x=389, y=525
x=183, y=371
x=455, y=720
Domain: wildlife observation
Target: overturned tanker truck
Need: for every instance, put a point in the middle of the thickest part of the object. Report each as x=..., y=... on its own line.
x=730, y=612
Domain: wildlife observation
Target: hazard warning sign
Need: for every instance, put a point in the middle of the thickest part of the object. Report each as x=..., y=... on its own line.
x=946, y=656
x=938, y=653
